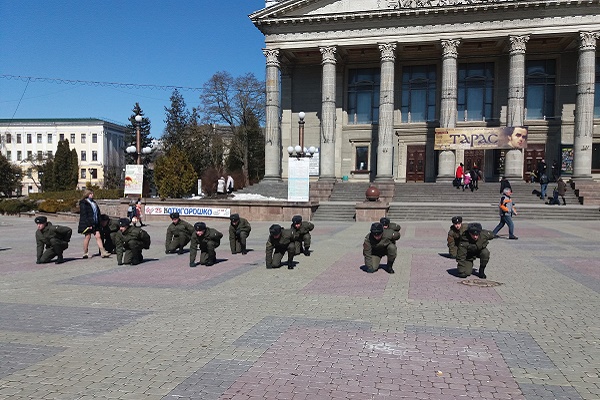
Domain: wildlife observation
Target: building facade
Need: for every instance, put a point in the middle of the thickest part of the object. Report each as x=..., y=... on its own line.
x=377, y=77
x=99, y=145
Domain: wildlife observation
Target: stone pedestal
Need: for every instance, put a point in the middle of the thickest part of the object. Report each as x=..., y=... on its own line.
x=371, y=211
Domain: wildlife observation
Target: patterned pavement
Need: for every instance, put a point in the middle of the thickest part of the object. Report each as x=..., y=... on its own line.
x=89, y=329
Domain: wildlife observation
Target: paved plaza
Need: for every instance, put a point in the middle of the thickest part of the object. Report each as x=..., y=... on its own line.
x=89, y=329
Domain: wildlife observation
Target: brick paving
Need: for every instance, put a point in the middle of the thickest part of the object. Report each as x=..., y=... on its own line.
x=89, y=329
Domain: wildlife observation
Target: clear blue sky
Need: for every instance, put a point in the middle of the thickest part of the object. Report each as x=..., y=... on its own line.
x=151, y=42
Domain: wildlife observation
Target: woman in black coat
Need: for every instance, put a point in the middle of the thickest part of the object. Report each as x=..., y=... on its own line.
x=89, y=223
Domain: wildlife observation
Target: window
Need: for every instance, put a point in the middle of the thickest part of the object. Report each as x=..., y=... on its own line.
x=40, y=155
x=49, y=138
x=83, y=176
x=83, y=155
x=596, y=93
x=94, y=138
x=362, y=158
x=94, y=155
x=29, y=173
x=49, y=153
x=61, y=137
x=475, y=91
x=18, y=138
x=418, y=93
x=72, y=138
x=83, y=138
x=540, y=80
x=9, y=155
x=93, y=173
x=19, y=155
x=29, y=155
x=363, y=95
x=39, y=138
x=29, y=138
x=8, y=138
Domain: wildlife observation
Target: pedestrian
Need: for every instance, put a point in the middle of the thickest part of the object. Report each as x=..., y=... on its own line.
x=533, y=176
x=475, y=173
x=543, y=185
x=179, y=234
x=132, y=212
x=506, y=210
x=221, y=185
x=467, y=181
x=561, y=189
x=541, y=167
x=89, y=223
x=555, y=171
x=301, y=232
x=279, y=242
x=53, y=238
x=459, y=175
x=207, y=240
x=376, y=246
x=504, y=183
x=473, y=244
x=239, y=230
x=229, y=185
x=108, y=232
x=129, y=242
x=456, y=230
x=138, y=211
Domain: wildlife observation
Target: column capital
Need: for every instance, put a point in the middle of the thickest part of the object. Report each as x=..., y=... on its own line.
x=272, y=57
x=518, y=44
x=388, y=51
x=587, y=40
x=328, y=54
x=450, y=48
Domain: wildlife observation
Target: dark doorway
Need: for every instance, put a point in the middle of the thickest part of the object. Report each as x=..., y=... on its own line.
x=415, y=164
x=534, y=153
x=474, y=157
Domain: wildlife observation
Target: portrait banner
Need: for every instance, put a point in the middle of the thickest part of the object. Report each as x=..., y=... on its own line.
x=511, y=137
x=134, y=179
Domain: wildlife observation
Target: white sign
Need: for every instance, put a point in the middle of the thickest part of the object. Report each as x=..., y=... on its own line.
x=134, y=179
x=314, y=164
x=188, y=211
x=298, y=182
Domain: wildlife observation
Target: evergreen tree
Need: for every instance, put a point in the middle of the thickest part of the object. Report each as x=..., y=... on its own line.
x=10, y=177
x=65, y=168
x=174, y=174
x=46, y=175
x=177, y=122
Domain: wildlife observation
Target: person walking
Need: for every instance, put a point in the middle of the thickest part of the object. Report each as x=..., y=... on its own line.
x=301, y=231
x=561, y=187
x=555, y=171
x=279, y=242
x=460, y=172
x=53, y=238
x=207, y=240
x=473, y=245
x=543, y=185
x=89, y=223
x=221, y=186
x=475, y=173
x=239, y=230
x=506, y=210
x=230, y=184
x=377, y=245
x=504, y=183
x=130, y=241
x=179, y=234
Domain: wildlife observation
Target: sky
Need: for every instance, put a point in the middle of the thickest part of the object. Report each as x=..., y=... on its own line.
x=152, y=42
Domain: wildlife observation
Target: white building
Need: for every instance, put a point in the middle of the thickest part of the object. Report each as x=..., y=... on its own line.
x=99, y=145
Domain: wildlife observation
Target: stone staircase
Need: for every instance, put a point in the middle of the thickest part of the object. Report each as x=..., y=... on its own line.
x=342, y=211
x=588, y=192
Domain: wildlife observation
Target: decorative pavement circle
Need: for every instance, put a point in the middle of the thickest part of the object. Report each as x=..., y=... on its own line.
x=480, y=283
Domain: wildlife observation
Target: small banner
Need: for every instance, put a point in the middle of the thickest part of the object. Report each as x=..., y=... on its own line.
x=511, y=137
x=298, y=179
x=134, y=179
x=188, y=211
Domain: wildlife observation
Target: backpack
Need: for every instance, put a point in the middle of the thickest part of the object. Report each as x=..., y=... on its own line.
x=145, y=237
x=544, y=179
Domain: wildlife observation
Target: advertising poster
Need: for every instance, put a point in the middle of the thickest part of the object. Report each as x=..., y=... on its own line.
x=298, y=179
x=134, y=179
x=512, y=137
x=567, y=161
x=188, y=211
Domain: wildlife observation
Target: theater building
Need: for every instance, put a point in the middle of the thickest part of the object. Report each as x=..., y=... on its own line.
x=375, y=78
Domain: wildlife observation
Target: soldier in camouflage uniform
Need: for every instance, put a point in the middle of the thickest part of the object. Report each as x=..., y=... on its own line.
x=377, y=245
x=130, y=241
x=108, y=233
x=456, y=230
x=301, y=230
x=179, y=234
x=54, y=238
x=280, y=240
x=389, y=228
x=207, y=240
x=473, y=244
x=239, y=230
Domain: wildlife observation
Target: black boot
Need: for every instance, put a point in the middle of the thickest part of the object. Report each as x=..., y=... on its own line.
x=390, y=269
x=60, y=259
x=306, y=252
x=481, y=273
x=244, y=251
x=290, y=263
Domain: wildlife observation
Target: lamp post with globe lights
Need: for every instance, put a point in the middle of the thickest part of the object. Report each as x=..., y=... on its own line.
x=299, y=166
x=137, y=149
x=299, y=150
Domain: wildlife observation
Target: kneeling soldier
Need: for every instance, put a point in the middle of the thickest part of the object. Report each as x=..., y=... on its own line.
x=456, y=230
x=473, y=244
x=130, y=242
x=179, y=234
x=389, y=228
x=280, y=240
x=207, y=240
x=377, y=245
x=239, y=230
x=108, y=233
x=301, y=230
x=54, y=238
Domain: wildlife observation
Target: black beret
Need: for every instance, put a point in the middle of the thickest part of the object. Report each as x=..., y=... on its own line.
x=174, y=215
x=297, y=219
x=275, y=229
x=475, y=228
x=200, y=226
x=234, y=217
x=376, y=228
x=41, y=220
x=457, y=219
x=384, y=221
x=124, y=222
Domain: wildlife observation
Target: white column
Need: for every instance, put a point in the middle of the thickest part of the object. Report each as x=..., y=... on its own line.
x=273, y=151
x=447, y=159
x=327, y=152
x=584, y=107
x=515, y=113
x=386, y=113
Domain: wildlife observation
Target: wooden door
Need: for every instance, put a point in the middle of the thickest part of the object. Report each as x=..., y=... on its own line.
x=415, y=163
x=534, y=153
x=474, y=157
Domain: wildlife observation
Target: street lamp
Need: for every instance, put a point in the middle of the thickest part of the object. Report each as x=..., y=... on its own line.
x=299, y=150
x=137, y=149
